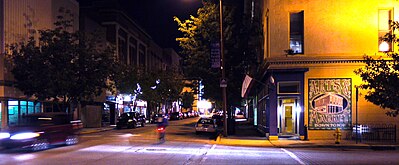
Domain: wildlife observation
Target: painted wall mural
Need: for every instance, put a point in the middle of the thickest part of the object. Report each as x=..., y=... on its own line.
x=330, y=104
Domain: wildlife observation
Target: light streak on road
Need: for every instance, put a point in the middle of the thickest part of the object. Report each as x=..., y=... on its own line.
x=24, y=157
x=176, y=150
x=129, y=135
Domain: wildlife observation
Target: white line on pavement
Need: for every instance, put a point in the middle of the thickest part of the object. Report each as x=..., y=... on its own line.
x=204, y=158
x=293, y=156
x=213, y=147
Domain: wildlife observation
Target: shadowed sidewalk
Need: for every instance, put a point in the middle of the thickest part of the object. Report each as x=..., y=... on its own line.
x=246, y=134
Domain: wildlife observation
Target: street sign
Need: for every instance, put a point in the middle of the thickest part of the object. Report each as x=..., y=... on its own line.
x=223, y=83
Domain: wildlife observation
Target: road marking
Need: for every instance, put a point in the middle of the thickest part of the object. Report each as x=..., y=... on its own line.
x=213, y=147
x=293, y=156
x=204, y=158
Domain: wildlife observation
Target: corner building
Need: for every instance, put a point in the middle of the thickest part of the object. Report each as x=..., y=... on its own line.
x=311, y=49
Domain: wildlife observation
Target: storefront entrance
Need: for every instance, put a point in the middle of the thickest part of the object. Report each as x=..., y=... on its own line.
x=288, y=117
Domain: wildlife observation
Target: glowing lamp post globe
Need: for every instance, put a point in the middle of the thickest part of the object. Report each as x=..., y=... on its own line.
x=204, y=106
x=384, y=47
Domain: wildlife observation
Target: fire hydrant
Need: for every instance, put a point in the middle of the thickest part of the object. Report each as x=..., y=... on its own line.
x=337, y=135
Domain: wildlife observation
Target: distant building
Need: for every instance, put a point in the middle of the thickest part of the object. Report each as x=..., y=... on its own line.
x=135, y=47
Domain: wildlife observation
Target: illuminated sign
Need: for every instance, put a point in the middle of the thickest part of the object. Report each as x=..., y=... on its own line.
x=330, y=104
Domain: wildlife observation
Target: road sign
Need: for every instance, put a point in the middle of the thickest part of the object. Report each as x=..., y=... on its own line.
x=223, y=83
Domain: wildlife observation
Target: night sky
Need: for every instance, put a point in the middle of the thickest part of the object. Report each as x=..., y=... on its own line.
x=156, y=17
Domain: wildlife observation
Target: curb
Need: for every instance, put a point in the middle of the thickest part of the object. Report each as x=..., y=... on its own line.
x=83, y=132
x=270, y=144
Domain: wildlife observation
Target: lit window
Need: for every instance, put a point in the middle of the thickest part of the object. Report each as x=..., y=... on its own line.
x=296, y=32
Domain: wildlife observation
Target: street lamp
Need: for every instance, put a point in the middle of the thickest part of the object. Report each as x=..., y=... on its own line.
x=223, y=81
x=224, y=95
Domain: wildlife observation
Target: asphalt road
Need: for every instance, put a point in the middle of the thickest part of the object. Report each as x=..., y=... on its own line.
x=140, y=146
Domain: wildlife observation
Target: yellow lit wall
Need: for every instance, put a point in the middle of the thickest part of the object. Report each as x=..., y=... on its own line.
x=336, y=33
x=332, y=27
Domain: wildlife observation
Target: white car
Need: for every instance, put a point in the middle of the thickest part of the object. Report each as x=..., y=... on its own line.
x=206, y=125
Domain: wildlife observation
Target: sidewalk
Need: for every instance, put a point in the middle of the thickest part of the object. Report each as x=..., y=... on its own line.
x=247, y=135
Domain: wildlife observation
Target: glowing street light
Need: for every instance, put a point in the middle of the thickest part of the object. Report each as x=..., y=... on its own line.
x=384, y=46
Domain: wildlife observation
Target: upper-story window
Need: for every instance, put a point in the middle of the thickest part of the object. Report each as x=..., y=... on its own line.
x=296, y=32
x=132, y=51
x=122, y=46
x=384, y=15
x=142, y=51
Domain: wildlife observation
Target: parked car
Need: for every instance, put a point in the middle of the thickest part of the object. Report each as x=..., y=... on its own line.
x=176, y=116
x=206, y=125
x=41, y=131
x=130, y=120
x=189, y=114
x=195, y=113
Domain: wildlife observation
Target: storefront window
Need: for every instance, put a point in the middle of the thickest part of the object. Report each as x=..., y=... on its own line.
x=23, y=105
x=38, y=107
x=12, y=112
x=31, y=107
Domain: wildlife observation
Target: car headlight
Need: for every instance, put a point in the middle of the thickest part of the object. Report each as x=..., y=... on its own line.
x=25, y=135
x=130, y=120
x=4, y=135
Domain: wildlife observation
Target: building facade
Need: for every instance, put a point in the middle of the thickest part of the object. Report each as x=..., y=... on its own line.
x=311, y=49
x=20, y=19
x=134, y=47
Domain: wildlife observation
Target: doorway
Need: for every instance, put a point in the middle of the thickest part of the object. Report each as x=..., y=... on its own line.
x=288, y=117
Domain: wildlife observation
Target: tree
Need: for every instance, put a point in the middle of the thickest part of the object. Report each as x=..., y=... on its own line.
x=126, y=79
x=199, y=32
x=187, y=99
x=61, y=65
x=381, y=76
x=154, y=86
